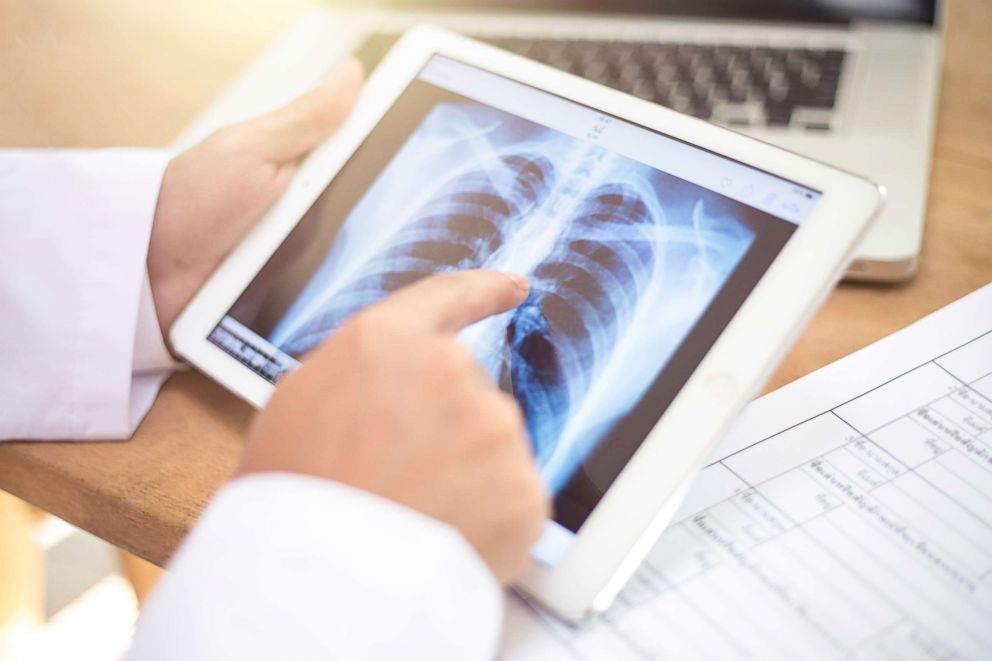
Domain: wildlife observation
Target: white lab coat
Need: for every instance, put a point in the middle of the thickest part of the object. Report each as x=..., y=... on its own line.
x=280, y=566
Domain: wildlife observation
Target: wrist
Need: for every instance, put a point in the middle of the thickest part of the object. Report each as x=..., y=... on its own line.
x=170, y=293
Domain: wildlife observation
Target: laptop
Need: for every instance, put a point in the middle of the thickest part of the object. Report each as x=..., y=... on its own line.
x=853, y=84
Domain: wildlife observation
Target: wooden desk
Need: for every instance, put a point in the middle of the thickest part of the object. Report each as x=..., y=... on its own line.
x=112, y=72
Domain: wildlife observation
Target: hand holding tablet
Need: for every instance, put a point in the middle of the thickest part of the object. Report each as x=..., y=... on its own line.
x=212, y=193
x=671, y=263
x=393, y=401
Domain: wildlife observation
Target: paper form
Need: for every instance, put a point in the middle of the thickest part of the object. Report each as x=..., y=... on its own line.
x=848, y=514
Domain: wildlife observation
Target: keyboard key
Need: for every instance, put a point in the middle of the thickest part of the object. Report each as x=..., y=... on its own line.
x=778, y=114
x=737, y=93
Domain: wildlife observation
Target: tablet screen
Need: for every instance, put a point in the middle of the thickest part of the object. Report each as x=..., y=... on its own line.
x=639, y=247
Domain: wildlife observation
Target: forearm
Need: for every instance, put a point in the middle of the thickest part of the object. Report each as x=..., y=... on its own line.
x=286, y=566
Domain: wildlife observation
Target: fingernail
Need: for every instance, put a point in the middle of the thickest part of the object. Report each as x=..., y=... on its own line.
x=519, y=280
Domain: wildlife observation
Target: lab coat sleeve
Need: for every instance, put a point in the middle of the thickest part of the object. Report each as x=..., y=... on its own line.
x=291, y=567
x=83, y=353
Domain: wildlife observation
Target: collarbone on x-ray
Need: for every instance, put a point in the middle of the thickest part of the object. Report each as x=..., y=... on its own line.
x=621, y=260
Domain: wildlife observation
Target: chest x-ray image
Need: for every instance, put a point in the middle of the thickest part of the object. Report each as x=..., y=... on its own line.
x=623, y=261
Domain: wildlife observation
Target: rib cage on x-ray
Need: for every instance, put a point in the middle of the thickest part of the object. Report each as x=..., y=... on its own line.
x=584, y=292
x=459, y=228
x=621, y=258
x=583, y=296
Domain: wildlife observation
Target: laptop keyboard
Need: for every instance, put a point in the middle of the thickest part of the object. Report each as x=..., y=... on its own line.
x=738, y=86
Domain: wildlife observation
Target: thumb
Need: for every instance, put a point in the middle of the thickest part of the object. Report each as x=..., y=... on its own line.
x=291, y=132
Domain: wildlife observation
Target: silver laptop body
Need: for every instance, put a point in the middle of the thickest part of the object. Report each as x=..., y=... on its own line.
x=851, y=84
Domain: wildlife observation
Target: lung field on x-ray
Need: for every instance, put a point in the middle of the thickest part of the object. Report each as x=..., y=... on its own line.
x=583, y=296
x=622, y=260
x=459, y=228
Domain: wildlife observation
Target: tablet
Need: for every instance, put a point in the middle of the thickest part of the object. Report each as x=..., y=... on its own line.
x=671, y=263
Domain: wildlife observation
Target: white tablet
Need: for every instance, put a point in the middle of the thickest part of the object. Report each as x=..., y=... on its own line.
x=672, y=263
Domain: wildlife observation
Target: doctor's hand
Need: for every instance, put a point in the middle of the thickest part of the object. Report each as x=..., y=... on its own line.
x=214, y=192
x=393, y=404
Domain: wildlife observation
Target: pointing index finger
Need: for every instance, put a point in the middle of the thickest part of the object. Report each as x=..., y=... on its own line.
x=449, y=302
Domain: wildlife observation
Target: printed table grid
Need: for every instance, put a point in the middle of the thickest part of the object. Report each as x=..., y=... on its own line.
x=787, y=560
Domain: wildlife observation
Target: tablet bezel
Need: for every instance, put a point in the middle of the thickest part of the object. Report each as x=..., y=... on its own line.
x=634, y=511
